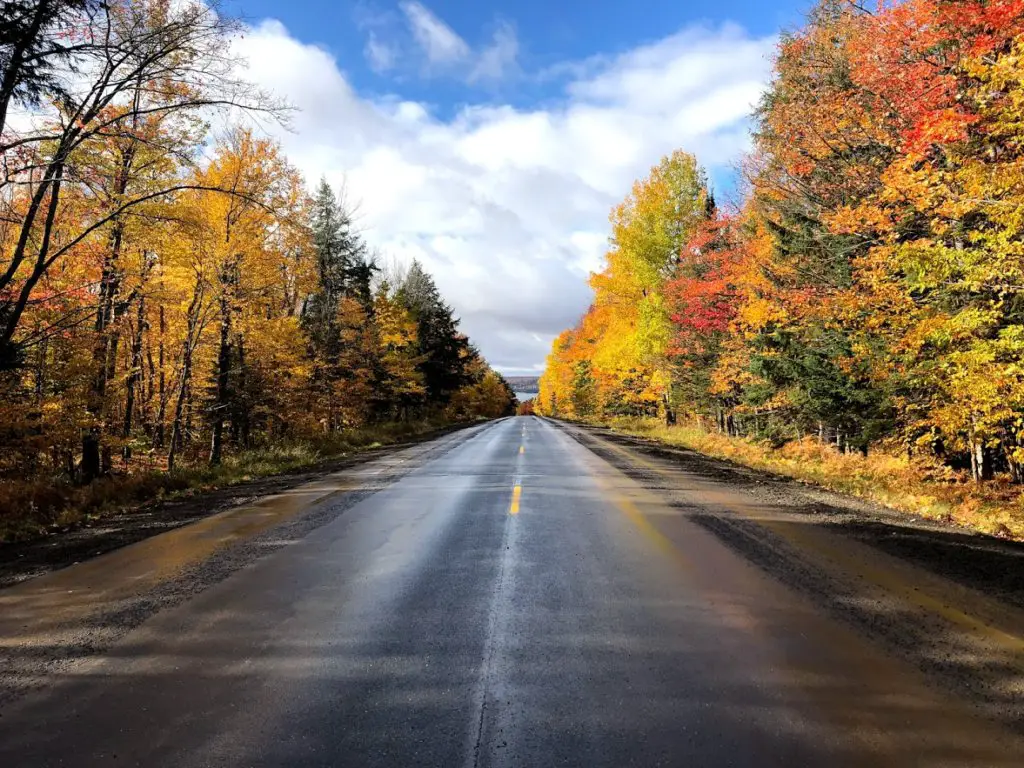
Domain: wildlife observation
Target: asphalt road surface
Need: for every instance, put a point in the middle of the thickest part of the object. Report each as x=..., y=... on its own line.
x=505, y=596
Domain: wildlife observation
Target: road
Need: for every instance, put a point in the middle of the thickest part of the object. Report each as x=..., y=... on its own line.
x=511, y=597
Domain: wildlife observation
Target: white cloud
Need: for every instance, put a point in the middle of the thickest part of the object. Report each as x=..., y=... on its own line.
x=439, y=41
x=381, y=55
x=419, y=43
x=499, y=58
x=508, y=207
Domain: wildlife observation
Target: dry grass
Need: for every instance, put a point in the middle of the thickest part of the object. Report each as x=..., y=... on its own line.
x=919, y=487
x=33, y=508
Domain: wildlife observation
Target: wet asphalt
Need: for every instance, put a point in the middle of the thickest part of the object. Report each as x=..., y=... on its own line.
x=513, y=601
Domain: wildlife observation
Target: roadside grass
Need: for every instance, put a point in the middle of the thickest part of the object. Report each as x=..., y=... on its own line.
x=915, y=486
x=31, y=509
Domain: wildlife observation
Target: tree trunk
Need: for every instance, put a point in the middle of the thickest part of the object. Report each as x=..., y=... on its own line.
x=670, y=414
x=223, y=370
x=105, y=350
x=161, y=414
x=241, y=425
x=51, y=182
x=36, y=424
x=1011, y=445
x=981, y=462
x=148, y=389
x=179, y=407
x=187, y=349
x=1016, y=470
x=110, y=282
x=133, y=378
x=90, y=467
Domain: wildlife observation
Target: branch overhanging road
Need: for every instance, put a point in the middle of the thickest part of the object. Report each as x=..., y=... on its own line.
x=523, y=593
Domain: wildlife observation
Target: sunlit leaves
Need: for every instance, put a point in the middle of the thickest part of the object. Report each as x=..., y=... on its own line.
x=873, y=284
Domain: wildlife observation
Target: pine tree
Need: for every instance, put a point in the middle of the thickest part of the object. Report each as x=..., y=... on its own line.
x=342, y=267
x=446, y=351
x=341, y=306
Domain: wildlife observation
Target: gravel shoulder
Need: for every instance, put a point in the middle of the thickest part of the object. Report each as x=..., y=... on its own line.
x=988, y=564
x=21, y=561
x=65, y=617
x=947, y=600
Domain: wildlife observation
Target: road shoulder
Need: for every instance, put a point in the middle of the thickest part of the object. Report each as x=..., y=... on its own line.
x=22, y=561
x=947, y=600
x=55, y=620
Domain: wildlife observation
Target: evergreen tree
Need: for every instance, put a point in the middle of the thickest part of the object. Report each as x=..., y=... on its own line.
x=343, y=268
x=34, y=42
x=584, y=390
x=446, y=352
x=336, y=314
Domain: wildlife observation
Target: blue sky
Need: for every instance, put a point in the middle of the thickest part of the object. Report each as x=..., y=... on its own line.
x=549, y=30
x=489, y=139
x=548, y=34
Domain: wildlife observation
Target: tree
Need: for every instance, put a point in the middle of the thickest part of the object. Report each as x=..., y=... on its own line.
x=445, y=350
x=36, y=38
x=243, y=267
x=338, y=310
x=398, y=388
x=175, y=56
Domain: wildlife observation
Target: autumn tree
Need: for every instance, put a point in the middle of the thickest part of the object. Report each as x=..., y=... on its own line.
x=617, y=359
x=169, y=60
x=398, y=389
x=869, y=288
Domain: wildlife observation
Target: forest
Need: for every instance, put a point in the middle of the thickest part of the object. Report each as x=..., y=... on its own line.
x=866, y=291
x=172, y=293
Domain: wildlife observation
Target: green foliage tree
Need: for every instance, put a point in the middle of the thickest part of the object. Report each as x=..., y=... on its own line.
x=446, y=352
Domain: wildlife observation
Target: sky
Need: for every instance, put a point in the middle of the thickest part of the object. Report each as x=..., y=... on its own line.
x=490, y=140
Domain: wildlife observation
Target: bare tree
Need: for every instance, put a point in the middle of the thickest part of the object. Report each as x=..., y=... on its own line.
x=134, y=62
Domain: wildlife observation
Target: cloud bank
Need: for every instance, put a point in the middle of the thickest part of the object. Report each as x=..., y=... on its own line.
x=506, y=206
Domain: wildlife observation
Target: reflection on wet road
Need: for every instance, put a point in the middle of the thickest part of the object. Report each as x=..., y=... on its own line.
x=513, y=600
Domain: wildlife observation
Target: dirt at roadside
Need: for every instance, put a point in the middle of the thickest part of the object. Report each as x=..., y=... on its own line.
x=20, y=561
x=947, y=600
x=989, y=564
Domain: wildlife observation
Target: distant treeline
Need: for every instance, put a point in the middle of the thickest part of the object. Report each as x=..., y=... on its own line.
x=523, y=383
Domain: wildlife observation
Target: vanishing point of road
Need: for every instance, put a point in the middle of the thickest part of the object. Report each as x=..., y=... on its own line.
x=520, y=593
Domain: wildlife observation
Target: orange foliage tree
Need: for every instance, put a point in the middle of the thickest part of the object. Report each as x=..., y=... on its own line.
x=870, y=289
x=168, y=296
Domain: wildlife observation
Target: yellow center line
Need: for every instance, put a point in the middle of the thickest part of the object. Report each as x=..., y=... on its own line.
x=514, y=506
